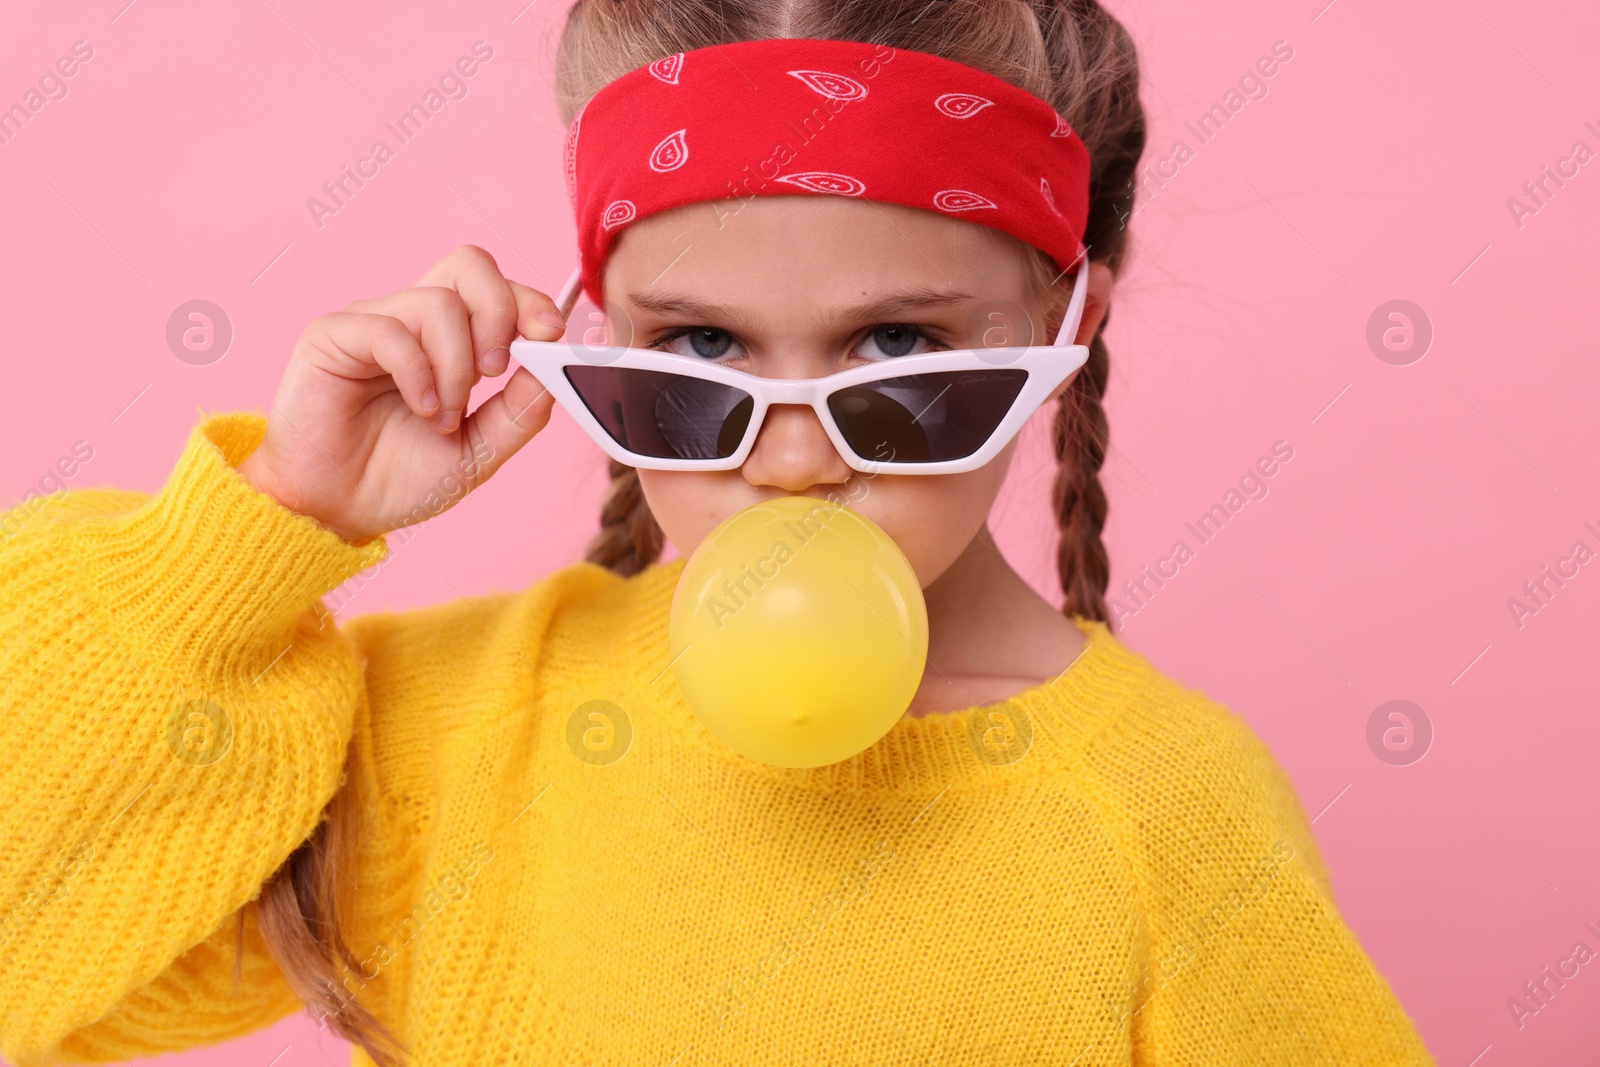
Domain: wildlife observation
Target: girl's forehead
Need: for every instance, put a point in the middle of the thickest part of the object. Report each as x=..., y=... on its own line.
x=806, y=221
x=834, y=242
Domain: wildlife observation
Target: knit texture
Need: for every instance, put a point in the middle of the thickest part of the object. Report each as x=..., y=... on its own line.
x=559, y=864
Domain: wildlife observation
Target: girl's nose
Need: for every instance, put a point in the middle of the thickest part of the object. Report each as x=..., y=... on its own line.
x=793, y=452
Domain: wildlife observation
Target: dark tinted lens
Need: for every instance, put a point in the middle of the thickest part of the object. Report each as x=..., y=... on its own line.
x=664, y=415
x=925, y=418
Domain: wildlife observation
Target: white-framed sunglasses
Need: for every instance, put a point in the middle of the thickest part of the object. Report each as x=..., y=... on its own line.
x=933, y=413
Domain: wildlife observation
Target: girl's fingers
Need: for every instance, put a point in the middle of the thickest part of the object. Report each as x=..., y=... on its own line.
x=510, y=419
x=463, y=313
x=360, y=345
x=473, y=275
x=507, y=421
x=530, y=305
x=497, y=305
x=438, y=318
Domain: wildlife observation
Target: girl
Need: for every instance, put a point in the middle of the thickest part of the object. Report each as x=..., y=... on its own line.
x=491, y=831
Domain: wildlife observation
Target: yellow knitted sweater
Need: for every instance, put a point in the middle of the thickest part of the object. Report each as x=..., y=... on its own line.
x=557, y=864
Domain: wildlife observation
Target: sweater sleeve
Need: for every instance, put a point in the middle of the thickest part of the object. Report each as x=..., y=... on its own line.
x=1247, y=958
x=177, y=709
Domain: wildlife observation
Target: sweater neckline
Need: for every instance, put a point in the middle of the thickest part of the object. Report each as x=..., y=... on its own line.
x=1035, y=731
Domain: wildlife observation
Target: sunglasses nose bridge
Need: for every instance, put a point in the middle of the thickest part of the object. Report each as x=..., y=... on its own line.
x=789, y=390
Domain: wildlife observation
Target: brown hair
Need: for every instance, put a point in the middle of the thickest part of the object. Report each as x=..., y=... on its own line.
x=1072, y=53
x=302, y=914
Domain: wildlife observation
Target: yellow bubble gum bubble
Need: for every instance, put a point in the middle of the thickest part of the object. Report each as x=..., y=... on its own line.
x=798, y=632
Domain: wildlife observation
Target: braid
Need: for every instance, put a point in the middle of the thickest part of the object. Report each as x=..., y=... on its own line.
x=630, y=539
x=1079, y=436
x=1095, y=70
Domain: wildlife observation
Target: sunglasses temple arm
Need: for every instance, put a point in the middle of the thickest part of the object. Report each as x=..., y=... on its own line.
x=569, y=293
x=1080, y=292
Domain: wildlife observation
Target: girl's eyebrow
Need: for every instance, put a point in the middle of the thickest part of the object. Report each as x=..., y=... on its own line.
x=885, y=307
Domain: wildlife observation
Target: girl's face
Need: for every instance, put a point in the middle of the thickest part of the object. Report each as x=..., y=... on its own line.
x=804, y=286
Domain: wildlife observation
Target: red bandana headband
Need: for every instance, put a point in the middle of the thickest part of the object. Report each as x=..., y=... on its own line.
x=844, y=118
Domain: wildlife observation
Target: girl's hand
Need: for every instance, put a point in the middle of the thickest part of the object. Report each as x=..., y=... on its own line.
x=366, y=434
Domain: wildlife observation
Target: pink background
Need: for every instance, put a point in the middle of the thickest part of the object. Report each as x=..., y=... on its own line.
x=1419, y=498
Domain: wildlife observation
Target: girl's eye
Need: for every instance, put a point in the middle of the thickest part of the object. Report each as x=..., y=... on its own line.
x=713, y=343
x=896, y=339
x=702, y=342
